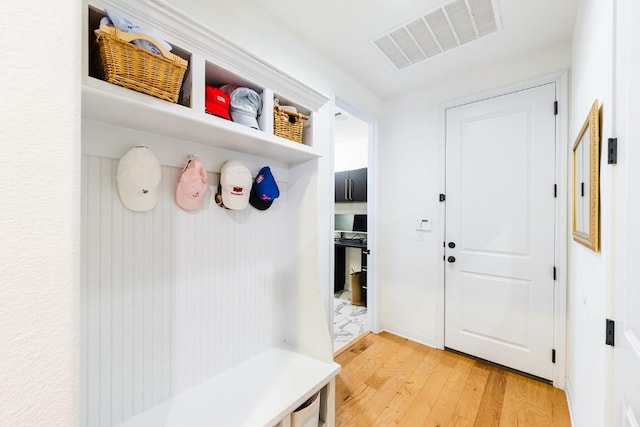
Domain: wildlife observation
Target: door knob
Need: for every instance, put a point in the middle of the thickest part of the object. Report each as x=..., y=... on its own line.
x=451, y=259
x=452, y=245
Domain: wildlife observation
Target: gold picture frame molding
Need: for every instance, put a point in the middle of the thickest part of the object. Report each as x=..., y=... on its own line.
x=589, y=237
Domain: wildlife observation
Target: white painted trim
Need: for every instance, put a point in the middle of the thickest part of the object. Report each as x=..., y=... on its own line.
x=188, y=33
x=560, y=78
x=440, y=324
x=631, y=418
x=411, y=335
x=567, y=392
x=373, y=288
x=374, y=319
x=108, y=141
x=562, y=230
x=503, y=90
x=329, y=309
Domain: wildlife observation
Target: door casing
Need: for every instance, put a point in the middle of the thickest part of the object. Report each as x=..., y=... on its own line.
x=624, y=394
x=374, y=322
x=562, y=232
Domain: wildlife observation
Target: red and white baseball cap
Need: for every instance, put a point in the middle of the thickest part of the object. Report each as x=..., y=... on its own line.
x=138, y=178
x=235, y=185
x=216, y=102
x=192, y=185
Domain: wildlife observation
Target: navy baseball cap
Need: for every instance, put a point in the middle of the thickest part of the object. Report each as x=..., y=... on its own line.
x=264, y=190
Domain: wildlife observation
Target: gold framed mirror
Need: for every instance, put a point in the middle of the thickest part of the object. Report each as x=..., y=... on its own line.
x=586, y=182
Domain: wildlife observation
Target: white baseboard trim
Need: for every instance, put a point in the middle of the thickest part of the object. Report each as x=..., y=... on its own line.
x=410, y=335
x=567, y=390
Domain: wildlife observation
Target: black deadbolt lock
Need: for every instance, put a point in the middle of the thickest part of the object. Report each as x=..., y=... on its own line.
x=451, y=259
x=452, y=245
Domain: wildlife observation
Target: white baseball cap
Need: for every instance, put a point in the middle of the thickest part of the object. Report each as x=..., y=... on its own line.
x=235, y=185
x=138, y=177
x=192, y=185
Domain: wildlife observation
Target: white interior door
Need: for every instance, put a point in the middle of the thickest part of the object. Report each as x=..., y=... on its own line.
x=627, y=277
x=500, y=169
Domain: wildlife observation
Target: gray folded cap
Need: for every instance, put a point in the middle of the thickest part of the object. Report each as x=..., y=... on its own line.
x=245, y=106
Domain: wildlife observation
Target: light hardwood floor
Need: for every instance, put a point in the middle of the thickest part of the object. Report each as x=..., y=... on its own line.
x=387, y=380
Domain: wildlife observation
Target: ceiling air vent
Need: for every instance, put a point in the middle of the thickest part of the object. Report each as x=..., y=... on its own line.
x=452, y=25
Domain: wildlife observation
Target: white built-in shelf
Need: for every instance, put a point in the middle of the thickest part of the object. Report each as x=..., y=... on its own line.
x=115, y=105
x=261, y=391
x=266, y=389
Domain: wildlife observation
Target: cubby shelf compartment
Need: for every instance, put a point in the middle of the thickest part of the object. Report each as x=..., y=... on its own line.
x=262, y=391
x=107, y=103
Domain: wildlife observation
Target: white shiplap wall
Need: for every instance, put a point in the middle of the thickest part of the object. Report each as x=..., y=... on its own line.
x=169, y=297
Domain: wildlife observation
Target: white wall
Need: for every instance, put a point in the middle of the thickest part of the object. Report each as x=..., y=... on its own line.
x=351, y=154
x=40, y=191
x=410, y=177
x=351, y=138
x=39, y=217
x=589, y=282
x=245, y=25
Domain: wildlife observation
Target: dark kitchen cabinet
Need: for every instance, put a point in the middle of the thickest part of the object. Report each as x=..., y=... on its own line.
x=351, y=186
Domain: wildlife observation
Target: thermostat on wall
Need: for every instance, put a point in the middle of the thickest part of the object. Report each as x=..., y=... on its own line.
x=424, y=225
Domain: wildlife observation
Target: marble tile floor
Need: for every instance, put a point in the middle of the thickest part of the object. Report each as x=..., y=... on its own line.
x=349, y=321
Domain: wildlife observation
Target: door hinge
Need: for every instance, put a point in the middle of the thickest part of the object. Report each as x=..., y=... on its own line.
x=610, y=332
x=442, y=197
x=554, y=272
x=555, y=190
x=612, y=152
x=555, y=108
x=553, y=355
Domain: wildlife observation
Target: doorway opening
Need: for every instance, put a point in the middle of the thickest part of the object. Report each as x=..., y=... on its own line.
x=352, y=228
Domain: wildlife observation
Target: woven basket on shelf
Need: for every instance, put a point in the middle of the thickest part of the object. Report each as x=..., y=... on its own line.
x=288, y=124
x=125, y=64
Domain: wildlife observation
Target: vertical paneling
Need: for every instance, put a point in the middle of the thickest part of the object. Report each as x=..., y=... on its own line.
x=117, y=298
x=137, y=283
x=93, y=292
x=84, y=301
x=127, y=307
x=169, y=297
x=157, y=311
x=105, y=262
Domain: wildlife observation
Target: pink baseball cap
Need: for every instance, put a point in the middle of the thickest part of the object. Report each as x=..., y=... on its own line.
x=192, y=185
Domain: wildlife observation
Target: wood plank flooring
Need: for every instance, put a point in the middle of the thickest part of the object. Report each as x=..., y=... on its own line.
x=387, y=380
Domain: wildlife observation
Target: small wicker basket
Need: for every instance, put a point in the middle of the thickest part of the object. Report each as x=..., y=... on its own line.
x=123, y=63
x=288, y=124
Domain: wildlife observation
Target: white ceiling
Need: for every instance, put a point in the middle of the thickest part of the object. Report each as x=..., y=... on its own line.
x=344, y=31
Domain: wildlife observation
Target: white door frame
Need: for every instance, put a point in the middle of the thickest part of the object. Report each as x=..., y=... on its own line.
x=561, y=213
x=374, y=322
x=620, y=410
